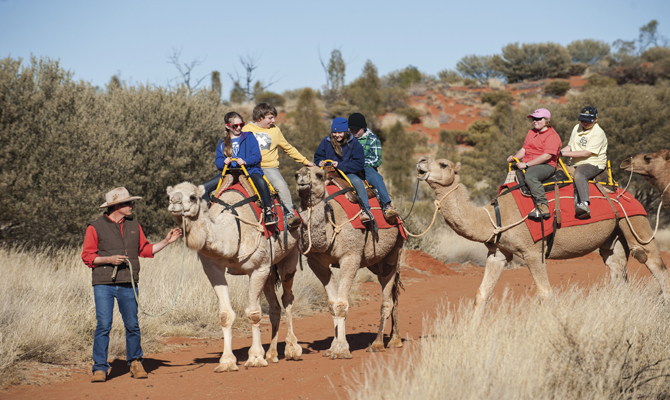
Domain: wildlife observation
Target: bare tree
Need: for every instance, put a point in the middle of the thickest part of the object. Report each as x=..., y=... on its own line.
x=186, y=70
x=246, y=83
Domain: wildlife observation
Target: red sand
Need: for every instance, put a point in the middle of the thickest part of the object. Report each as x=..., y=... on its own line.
x=186, y=371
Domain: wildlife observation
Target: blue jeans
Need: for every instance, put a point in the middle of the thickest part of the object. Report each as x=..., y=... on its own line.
x=104, y=308
x=278, y=182
x=360, y=189
x=375, y=179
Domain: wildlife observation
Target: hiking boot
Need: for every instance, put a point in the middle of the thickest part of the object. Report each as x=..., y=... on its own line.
x=541, y=211
x=137, y=370
x=390, y=214
x=294, y=222
x=270, y=218
x=99, y=376
x=366, y=216
x=582, y=210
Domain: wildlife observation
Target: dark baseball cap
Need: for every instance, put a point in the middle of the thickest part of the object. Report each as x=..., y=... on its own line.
x=588, y=114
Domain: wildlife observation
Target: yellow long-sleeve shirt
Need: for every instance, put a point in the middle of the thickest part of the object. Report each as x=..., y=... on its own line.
x=269, y=139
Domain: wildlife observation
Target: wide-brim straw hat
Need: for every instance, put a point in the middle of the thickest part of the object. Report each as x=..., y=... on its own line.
x=118, y=196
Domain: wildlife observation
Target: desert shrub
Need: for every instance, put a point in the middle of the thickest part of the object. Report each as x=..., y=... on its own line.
x=479, y=68
x=588, y=51
x=558, y=87
x=605, y=342
x=65, y=145
x=577, y=69
x=394, y=98
x=273, y=98
x=365, y=93
x=404, y=78
x=655, y=54
x=497, y=96
x=597, y=80
x=636, y=71
x=341, y=108
x=412, y=114
x=398, y=160
x=532, y=61
x=450, y=76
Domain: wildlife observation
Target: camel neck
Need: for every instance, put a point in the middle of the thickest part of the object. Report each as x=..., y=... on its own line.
x=464, y=218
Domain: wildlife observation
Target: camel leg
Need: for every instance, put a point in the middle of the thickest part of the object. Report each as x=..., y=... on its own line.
x=349, y=265
x=616, y=258
x=217, y=278
x=293, y=351
x=539, y=271
x=275, y=316
x=387, y=281
x=395, y=341
x=495, y=263
x=257, y=281
x=325, y=275
x=647, y=254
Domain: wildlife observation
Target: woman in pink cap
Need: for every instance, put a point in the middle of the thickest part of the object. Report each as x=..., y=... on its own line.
x=539, y=156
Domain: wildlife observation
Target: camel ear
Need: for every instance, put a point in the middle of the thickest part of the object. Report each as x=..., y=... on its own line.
x=200, y=191
x=169, y=190
x=457, y=166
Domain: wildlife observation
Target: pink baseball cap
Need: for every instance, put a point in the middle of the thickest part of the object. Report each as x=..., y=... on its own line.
x=540, y=113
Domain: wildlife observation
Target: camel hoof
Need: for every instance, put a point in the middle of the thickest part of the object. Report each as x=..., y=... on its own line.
x=270, y=359
x=376, y=347
x=293, y=352
x=345, y=355
x=394, y=343
x=226, y=367
x=256, y=362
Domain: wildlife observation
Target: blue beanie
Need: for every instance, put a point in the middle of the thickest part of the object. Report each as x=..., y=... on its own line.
x=339, y=125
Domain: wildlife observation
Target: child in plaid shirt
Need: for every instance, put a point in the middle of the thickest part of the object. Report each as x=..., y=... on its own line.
x=373, y=159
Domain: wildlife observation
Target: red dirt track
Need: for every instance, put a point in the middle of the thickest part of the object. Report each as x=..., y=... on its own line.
x=186, y=371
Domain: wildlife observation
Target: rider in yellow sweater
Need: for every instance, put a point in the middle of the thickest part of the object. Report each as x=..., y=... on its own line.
x=270, y=139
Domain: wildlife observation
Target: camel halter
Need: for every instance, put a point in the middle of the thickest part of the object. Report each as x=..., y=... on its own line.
x=437, y=208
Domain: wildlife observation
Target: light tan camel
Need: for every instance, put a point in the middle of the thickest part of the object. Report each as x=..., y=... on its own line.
x=348, y=250
x=655, y=168
x=612, y=238
x=214, y=234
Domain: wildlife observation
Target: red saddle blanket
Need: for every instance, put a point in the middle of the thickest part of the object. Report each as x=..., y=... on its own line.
x=269, y=230
x=352, y=209
x=600, y=208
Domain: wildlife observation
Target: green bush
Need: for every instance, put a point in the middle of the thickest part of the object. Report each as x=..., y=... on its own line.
x=271, y=97
x=558, y=87
x=65, y=144
x=532, y=61
x=412, y=114
x=449, y=76
x=597, y=80
x=497, y=96
x=588, y=51
x=405, y=77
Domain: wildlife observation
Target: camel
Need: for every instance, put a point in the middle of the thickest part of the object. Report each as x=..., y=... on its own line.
x=612, y=238
x=222, y=248
x=655, y=168
x=347, y=248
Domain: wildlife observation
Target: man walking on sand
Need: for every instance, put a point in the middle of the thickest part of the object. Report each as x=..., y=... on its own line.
x=112, y=242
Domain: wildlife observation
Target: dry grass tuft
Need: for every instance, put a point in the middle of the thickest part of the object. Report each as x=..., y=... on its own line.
x=598, y=343
x=47, y=311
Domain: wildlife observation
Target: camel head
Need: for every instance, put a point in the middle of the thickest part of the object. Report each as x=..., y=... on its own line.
x=311, y=185
x=185, y=197
x=436, y=173
x=653, y=165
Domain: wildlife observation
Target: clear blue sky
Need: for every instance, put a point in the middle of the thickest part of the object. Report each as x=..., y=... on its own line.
x=97, y=39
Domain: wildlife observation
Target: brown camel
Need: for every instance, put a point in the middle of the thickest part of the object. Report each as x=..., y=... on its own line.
x=347, y=249
x=612, y=238
x=655, y=168
x=222, y=248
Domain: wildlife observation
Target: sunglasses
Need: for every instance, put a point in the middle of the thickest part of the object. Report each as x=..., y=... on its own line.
x=235, y=126
x=537, y=119
x=128, y=204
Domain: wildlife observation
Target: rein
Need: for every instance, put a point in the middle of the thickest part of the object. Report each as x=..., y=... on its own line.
x=437, y=208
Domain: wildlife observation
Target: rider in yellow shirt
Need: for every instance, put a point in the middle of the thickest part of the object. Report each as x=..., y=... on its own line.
x=270, y=139
x=588, y=149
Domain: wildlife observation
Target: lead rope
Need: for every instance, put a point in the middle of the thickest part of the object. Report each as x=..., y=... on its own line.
x=181, y=275
x=437, y=208
x=309, y=232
